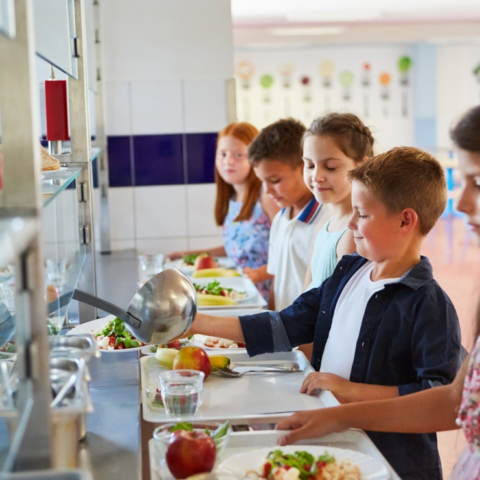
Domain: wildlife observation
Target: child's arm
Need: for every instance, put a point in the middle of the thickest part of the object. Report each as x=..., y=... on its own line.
x=215, y=252
x=432, y=410
x=271, y=296
x=344, y=390
x=223, y=327
x=257, y=275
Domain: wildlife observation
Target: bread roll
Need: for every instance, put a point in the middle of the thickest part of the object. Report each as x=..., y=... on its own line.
x=48, y=162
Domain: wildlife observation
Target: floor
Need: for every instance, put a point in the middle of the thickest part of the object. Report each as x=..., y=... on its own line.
x=455, y=258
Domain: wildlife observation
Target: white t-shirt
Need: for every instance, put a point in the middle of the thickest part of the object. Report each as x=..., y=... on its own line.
x=347, y=320
x=289, y=251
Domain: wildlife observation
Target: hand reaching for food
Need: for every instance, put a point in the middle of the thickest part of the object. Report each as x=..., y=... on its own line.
x=257, y=275
x=309, y=424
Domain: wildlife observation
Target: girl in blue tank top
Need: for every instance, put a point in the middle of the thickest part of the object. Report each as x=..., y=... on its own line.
x=241, y=208
x=333, y=145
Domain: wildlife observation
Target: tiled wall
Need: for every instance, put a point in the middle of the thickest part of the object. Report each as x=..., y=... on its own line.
x=167, y=66
x=161, y=148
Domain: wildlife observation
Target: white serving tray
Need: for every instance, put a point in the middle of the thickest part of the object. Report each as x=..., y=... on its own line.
x=241, y=442
x=262, y=398
x=241, y=284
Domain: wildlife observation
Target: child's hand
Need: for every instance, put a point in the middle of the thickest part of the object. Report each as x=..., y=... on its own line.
x=308, y=424
x=251, y=273
x=174, y=256
x=326, y=381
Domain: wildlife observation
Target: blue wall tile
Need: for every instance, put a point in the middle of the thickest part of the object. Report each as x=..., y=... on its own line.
x=120, y=162
x=201, y=157
x=158, y=160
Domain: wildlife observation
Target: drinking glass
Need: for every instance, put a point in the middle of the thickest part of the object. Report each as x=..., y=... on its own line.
x=181, y=390
x=56, y=271
x=149, y=266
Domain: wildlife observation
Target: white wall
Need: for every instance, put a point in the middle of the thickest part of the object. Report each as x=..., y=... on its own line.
x=167, y=64
x=458, y=88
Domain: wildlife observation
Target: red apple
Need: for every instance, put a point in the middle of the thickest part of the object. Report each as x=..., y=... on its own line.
x=189, y=453
x=192, y=358
x=205, y=261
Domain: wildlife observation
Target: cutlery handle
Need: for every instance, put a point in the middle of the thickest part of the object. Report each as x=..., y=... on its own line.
x=294, y=367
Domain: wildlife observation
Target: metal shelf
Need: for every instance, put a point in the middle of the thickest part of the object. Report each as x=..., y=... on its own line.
x=56, y=181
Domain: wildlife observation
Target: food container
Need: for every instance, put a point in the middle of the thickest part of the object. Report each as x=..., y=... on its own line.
x=74, y=346
x=61, y=370
x=162, y=436
x=68, y=427
x=49, y=475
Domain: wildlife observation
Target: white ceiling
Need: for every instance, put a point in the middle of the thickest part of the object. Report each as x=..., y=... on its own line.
x=270, y=23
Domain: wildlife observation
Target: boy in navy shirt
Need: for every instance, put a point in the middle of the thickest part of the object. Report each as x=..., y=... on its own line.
x=381, y=325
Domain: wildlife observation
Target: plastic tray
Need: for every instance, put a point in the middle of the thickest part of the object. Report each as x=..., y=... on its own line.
x=258, y=398
x=241, y=442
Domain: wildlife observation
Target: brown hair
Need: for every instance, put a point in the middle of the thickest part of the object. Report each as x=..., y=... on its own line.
x=353, y=138
x=280, y=141
x=466, y=133
x=406, y=177
x=245, y=132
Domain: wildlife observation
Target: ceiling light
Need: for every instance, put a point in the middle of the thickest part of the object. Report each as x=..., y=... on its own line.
x=307, y=31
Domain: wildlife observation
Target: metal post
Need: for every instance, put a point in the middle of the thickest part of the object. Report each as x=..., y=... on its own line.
x=81, y=155
x=101, y=139
x=21, y=196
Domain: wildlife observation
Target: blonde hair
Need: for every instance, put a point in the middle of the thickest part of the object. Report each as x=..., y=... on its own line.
x=245, y=132
x=406, y=177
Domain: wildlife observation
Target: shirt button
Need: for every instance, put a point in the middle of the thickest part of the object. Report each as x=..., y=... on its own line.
x=341, y=268
x=363, y=343
x=323, y=311
x=376, y=296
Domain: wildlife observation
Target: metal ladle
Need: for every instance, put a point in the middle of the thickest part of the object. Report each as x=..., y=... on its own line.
x=163, y=309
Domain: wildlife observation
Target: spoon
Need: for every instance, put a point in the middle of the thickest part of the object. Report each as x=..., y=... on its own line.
x=63, y=391
x=227, y=372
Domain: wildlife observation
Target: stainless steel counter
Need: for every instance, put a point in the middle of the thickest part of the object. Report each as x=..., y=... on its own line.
x=112, y=447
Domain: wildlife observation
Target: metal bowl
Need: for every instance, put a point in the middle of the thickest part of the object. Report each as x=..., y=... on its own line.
x=166, y=306
x=76, y=346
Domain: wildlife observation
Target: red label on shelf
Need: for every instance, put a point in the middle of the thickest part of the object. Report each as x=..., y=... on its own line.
x=56, y=109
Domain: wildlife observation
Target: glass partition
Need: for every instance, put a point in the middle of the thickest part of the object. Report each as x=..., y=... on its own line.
x=63, y=250
x=7, y=18
x=55, y=37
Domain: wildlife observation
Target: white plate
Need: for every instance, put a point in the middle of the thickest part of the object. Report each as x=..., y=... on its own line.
x=241, y=284
x=222, y=262
x=198, y=341
x=238, y=465
x=146, y=349
x=93, y=326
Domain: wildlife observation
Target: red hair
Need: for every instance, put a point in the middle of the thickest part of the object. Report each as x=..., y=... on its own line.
x=245, y=132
